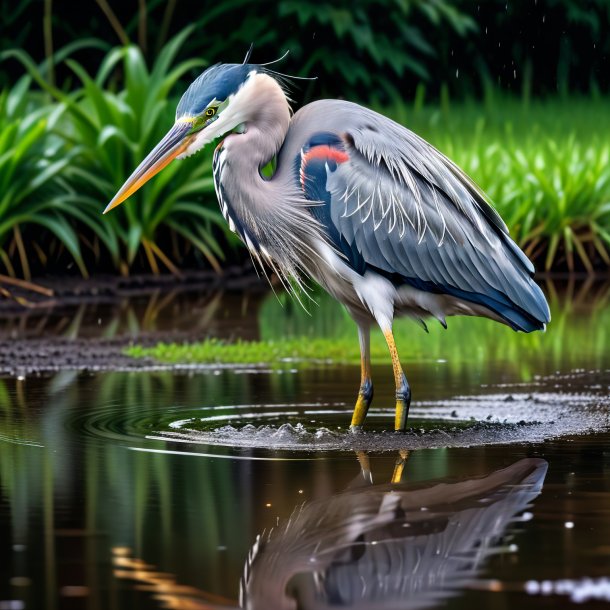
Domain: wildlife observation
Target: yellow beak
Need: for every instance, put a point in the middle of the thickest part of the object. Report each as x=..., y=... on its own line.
x=174, y=143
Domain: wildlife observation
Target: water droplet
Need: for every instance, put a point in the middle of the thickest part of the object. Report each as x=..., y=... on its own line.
x=532, y=587
x=546, y=587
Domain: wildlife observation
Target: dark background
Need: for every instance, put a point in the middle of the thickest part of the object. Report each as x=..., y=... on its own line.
x=373, y=50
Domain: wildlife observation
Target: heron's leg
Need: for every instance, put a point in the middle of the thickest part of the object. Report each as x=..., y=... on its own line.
x=403, y=391
x=399, y=466
x=365, y=393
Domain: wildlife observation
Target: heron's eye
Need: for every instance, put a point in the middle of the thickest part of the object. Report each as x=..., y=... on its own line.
x=210, y=112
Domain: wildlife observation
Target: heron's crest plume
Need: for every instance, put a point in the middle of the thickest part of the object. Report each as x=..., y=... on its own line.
x=220, y=81
x=248, y=54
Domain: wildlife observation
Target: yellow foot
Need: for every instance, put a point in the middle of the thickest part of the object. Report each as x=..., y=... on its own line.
x=400, y=418
x=360, y=410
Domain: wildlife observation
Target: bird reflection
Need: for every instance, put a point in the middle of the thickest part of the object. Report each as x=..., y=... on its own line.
x=393, y=546
x=387, y=546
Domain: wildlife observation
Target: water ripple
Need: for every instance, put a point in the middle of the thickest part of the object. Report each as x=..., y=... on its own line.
x=457, y=422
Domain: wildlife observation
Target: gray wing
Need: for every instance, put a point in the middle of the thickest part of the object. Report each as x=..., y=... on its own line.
x=398, y=205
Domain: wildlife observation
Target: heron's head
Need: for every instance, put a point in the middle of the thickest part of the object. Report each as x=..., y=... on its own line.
x=216, y=103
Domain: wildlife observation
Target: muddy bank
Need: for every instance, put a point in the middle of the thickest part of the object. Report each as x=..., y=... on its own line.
x=87, y=324
x=42, y=356
x=93, y=355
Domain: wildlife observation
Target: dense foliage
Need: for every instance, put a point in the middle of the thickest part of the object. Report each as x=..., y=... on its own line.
x=96, y=136
x=63, y=154
x=85, y=113
x=357, y=49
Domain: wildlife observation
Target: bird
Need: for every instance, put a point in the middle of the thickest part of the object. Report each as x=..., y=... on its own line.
x=373, y=213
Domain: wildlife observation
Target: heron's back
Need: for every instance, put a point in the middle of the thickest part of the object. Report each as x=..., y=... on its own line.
x=395, y=206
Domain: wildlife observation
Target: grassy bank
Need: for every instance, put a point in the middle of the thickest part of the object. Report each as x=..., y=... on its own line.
x=64, y=153
x=288, y=334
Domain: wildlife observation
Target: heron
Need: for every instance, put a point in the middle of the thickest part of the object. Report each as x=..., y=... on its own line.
x=377, y=216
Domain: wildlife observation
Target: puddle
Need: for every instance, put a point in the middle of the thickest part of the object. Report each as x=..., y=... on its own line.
x=227, y=488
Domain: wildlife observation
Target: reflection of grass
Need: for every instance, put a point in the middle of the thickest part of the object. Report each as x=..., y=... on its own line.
x=329, y=334
x=63, y=434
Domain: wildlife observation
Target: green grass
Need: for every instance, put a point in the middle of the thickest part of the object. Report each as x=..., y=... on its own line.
x=106, y=133
x=253, y=352
x=34, y=193
x=115, y=131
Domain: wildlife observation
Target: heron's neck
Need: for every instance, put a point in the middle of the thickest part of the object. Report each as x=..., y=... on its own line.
x=245, y=197
x=266, y=125
x=272, y=216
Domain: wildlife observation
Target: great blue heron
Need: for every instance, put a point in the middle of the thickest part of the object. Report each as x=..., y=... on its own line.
x=376, y=215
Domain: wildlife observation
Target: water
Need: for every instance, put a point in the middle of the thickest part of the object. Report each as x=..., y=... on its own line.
x=178, y=488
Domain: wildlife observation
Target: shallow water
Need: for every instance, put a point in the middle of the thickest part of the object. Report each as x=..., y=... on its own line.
x=179, y=489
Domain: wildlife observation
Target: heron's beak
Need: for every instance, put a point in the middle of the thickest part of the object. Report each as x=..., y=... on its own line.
x=174, y=143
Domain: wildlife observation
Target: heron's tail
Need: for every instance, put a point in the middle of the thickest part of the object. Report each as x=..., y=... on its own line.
x=534, y=317
x=534, y=313
x=531, y=314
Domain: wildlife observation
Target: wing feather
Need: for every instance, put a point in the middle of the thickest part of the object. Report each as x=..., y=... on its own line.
x=415, y=216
